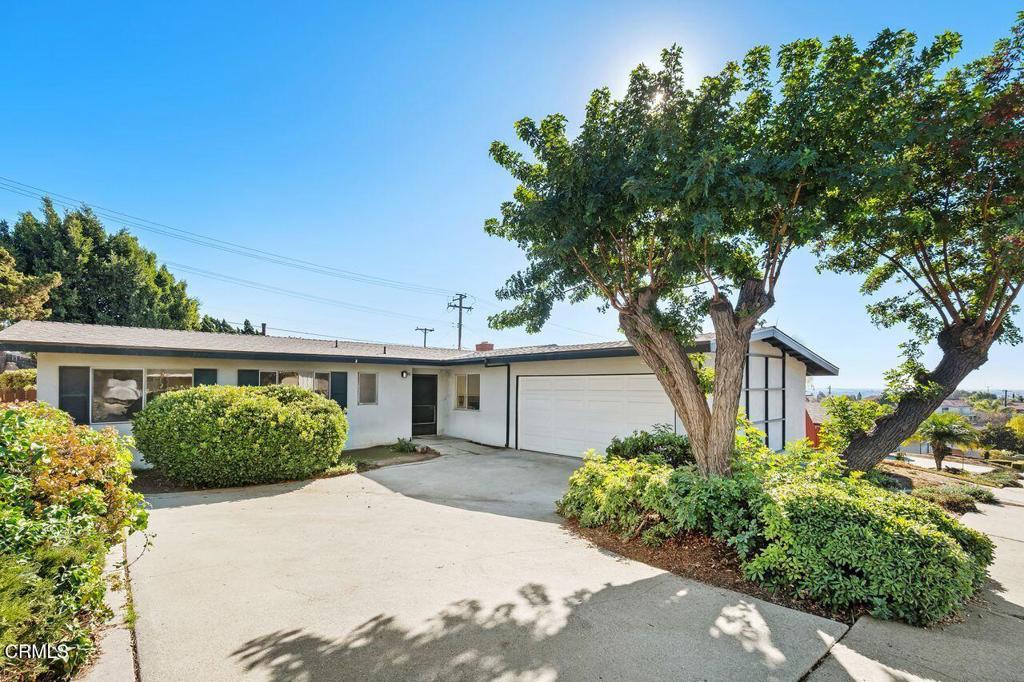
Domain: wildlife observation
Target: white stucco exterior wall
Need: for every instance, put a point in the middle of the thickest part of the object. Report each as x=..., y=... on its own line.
x=497, y=417
x=369, y=425
x=487, y=425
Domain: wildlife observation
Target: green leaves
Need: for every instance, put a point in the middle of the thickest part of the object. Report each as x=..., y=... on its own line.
x=231, y=435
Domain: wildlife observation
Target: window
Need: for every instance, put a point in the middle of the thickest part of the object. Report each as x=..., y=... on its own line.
x=73, y=392
x=322, y=383
x=467, y=391
x=268, y=378
x=116, y=394
x=160, y=381
x=367, y=388
x=204, y=377
x=288, y=378
x=248, y=377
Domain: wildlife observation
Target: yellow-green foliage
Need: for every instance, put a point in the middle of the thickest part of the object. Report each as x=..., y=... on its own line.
x=215, y=436
x=17, y=379
x=65, y=501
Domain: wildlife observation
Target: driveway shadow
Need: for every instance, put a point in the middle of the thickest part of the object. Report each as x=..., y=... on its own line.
x=585, y=636
x=219, y=495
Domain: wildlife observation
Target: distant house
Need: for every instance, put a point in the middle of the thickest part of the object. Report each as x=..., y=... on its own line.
x=956, y=405
x=814, y=417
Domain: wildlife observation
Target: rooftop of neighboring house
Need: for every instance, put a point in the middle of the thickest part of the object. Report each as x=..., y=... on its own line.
x=815, y=410
x=67, y=337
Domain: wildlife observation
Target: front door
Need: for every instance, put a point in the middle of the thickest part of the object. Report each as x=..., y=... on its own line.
x=424, y=404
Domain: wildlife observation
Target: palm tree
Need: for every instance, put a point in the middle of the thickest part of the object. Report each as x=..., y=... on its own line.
x=943, y=430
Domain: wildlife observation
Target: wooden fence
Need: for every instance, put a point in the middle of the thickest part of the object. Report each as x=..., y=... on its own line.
x=17, y=395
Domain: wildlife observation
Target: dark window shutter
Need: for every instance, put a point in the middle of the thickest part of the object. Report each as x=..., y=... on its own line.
x=248, y=377
x=339, y=388
x=204, y=377
x=73, y=392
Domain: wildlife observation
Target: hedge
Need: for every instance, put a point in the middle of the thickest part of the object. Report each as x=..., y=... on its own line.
x=66, y=500
x=799, y=523
x=214, y=436
x=17, y=379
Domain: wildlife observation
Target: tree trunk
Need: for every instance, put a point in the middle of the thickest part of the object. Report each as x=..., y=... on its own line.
x=711, y=429
x=964, y=349
x=939, y=453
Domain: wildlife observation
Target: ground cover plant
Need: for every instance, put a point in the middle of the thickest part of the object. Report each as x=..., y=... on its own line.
x=800, y=524
x=213, y=436
x=66, y=500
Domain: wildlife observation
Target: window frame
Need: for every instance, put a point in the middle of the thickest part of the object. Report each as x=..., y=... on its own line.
x=359, y=388
x=145, y=382
x=479, y=381
x=92, y=394
x=316, y=378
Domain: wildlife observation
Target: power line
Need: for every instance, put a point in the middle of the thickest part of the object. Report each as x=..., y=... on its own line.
x=31, y=191
x=23, y=189
x=314, y=298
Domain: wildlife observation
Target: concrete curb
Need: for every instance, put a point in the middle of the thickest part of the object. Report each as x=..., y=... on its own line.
x=115, y=660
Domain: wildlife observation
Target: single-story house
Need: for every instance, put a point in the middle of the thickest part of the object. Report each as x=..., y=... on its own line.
x=554, y=398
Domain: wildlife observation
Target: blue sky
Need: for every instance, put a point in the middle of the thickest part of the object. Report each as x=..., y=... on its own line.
x=356, y=137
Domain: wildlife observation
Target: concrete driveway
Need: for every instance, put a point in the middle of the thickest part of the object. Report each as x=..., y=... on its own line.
x=451, y=569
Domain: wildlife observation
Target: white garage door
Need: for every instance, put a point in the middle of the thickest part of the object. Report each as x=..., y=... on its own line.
x=568, y=415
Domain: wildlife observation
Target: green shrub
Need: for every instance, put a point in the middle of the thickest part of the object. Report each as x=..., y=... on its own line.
x=404, y=445
x=727, y=509
x=232, y=435
x=847, y=544
x=954, y=498
x=629, y=496
x=999, y=478
x=17, y=379
x=673, y=448
x=66, y=500
x=799, y=523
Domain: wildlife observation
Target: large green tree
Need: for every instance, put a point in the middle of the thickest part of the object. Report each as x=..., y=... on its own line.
x=105, y=278
x=937, y=228
x=673, y=206
x=23, y=297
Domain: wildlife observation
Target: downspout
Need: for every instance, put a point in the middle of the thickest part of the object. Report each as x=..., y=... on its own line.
x=508, y=397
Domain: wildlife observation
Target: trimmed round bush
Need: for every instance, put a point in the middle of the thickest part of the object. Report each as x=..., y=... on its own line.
x=215, y=436
x=849, y=544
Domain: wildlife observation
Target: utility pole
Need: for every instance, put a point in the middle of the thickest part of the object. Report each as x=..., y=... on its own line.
x=425, y=332
x=457, y=303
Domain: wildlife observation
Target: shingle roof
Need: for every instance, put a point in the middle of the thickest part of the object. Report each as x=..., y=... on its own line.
x=67, y=337
x=98, y=335
x=816, y=411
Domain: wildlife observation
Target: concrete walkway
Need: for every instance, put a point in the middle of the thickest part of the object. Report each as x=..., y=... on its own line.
x=928, y=462
x=450, y=569
x=987, y=646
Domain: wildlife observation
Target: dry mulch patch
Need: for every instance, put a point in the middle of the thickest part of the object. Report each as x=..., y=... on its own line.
x=703, y=559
